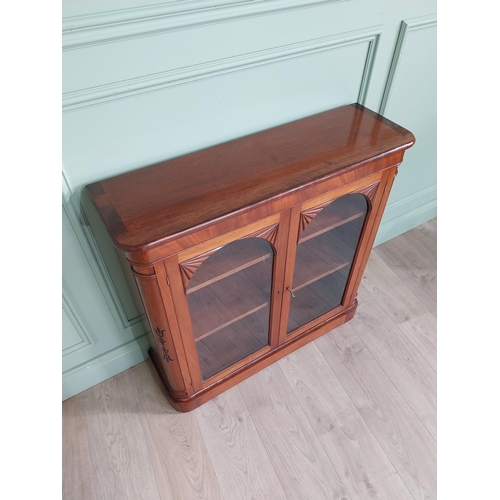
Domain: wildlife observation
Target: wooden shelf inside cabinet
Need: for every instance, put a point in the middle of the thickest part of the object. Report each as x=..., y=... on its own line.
x=323, y=263
x=245, y=251
x=229, y=260
x=211, y=315
x=347, y=210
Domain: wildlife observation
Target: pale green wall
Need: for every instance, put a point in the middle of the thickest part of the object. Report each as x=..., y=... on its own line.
x=183, y=75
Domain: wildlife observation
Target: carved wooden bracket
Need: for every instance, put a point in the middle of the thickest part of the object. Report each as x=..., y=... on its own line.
x=189, y=267
x=369, y=191
x=269, y=234
x=308, y=215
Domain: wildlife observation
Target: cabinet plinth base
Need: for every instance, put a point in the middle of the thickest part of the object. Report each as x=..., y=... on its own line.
x=218, y=387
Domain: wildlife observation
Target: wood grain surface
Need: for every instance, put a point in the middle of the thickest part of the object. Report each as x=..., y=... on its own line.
x=121, y=462
x=412, y=256
x=317, y=388
x=238, y=454
x=400, y=360
x=365, y=469
x=78, y=481
x=421, y=331
x=181, y=464
x=139, y=212
x=402, y=436
x=293, y=448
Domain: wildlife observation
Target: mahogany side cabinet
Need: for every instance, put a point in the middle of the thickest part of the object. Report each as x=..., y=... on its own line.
x=248, y=250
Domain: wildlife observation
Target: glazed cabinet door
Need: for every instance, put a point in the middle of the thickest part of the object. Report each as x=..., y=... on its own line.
x=227, y=300
x=326, y=254
x=327, y=243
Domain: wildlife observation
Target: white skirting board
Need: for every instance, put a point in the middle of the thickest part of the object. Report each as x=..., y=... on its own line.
x=407, y=213
x=99, y=369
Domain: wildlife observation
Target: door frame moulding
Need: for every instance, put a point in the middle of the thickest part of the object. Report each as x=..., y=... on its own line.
x=69, y=307
x=122, y=24
x=406, y=27
x=180, y=76
x=89, y=248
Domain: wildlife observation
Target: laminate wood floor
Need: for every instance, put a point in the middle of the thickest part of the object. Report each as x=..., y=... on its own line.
x=351, y=415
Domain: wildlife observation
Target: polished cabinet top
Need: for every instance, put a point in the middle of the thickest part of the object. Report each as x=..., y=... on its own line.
x=143, y=208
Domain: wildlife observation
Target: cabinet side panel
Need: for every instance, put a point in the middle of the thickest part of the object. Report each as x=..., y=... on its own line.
x=378, y=202
x=161, y=342
x=185, y=329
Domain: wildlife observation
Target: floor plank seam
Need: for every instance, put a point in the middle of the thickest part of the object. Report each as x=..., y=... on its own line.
x=369, y=428
x=139, y=413
x=416, y=348
x=312, y=430
x=394, y=385
x=403, y=285
x=87, y=432
x=262, y=441
x=393, y=261
x=374, y=435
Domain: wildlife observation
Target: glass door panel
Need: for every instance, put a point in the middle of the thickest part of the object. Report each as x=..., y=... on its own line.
x=324, y=257
x=228, y=298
